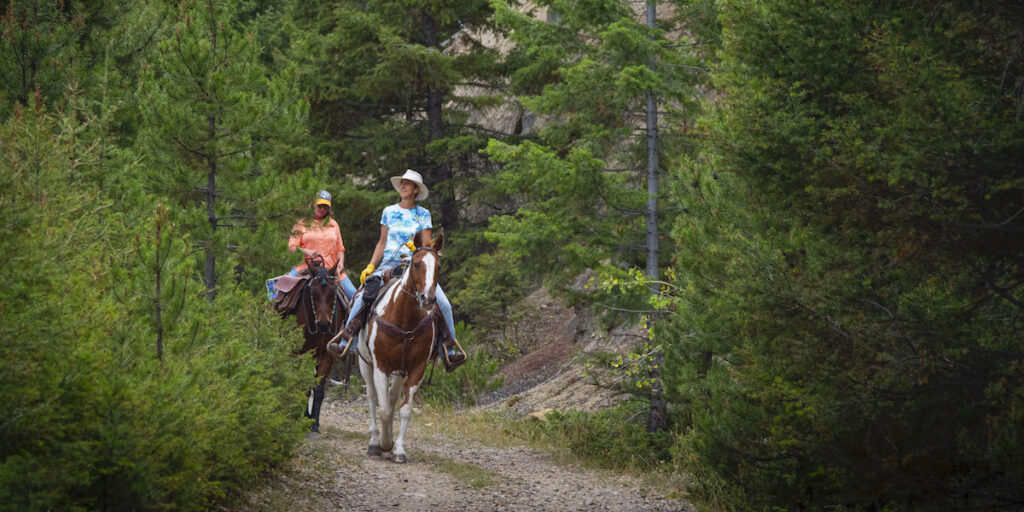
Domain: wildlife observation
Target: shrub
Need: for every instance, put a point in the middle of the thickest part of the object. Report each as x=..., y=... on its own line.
x=471, y=380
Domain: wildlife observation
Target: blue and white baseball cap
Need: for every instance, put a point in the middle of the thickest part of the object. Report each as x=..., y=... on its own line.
x=323, y=197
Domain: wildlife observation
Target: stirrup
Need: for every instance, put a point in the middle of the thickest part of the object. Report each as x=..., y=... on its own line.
x=336, y=350
x=453, y=356
x=348, y=336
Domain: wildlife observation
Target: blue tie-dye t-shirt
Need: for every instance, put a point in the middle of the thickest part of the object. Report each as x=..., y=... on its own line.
x=402, y=225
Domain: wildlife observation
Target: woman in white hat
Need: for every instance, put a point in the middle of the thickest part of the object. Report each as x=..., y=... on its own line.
x=399, y=223
x=320, y=236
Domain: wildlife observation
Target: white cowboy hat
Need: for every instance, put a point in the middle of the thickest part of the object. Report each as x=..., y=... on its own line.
x=414, y=176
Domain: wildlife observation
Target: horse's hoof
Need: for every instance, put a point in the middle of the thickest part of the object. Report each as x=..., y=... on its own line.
x=374, y=449
x=312, y=435
x=400, y=458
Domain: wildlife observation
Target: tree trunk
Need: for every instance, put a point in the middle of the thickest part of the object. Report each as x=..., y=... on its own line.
x=657, y=418
x=210, y=274
x=435, y=131
x=652, y=173
x=158, y=313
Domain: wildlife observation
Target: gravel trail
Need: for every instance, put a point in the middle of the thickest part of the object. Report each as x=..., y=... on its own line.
x=333, y=472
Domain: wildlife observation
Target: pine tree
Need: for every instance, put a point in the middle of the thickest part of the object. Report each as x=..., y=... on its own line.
x=850, y=293
x=594, y=72
x=212, y=116
x=390, y=91
x=37, y=50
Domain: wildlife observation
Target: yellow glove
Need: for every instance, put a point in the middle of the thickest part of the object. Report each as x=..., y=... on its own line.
x=366, y=273
x=411, y=246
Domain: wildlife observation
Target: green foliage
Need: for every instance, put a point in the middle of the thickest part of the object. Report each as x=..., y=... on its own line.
x=92, y=418
x=470, y=381
x=387, y=92
x=213, y=116
x=579, y=191
x=611, y=438
x=486, y=289
x=37, y=50
x=846, y=327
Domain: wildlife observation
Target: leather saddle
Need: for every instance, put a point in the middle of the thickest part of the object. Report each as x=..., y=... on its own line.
x=288, y=290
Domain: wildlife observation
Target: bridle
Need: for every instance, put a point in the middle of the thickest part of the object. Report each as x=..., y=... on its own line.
x=323, y=276
x=402, y=289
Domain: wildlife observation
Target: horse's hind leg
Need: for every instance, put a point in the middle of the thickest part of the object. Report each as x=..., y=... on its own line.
x=387, y=412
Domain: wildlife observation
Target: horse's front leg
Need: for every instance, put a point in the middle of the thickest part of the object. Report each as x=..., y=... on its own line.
x=404, y=415
x=316, y=400
x=317, y=394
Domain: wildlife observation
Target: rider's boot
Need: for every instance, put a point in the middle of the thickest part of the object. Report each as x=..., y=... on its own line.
x=337, y=349
x=452, y=354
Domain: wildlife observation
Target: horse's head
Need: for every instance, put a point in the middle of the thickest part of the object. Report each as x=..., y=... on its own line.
x=424, y=269
x=322, y=289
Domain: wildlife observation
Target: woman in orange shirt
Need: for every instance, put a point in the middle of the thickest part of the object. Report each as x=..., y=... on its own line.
x=321, y=237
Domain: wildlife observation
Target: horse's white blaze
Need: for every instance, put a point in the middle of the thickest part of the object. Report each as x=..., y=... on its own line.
x=428, y=281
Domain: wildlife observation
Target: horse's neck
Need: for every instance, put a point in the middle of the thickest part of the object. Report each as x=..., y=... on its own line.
x=301, y=309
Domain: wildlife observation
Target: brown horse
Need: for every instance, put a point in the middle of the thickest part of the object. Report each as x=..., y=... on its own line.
x=321, y=311
x=396, y=345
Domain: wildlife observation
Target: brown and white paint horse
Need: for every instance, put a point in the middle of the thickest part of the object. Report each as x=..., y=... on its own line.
x=321, y=312
x=396, y=345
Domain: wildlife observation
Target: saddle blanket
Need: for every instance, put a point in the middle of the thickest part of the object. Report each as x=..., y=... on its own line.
x=282, y=284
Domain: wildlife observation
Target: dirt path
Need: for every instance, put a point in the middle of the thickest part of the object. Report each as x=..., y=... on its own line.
x=332, y=472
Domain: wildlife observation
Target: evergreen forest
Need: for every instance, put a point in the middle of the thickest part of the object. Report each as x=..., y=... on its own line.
x=815, y=209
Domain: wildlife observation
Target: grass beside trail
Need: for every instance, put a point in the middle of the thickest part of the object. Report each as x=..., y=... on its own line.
x=465, y=473
x=568, y=441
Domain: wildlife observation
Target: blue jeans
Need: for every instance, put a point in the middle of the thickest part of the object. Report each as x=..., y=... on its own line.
x=442, y=302
x=348, y=287
x=346, y=284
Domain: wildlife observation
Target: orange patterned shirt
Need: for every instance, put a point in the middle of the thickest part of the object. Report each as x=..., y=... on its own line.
x=325, y=239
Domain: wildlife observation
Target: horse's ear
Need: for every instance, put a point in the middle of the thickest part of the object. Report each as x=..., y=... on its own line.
x=417, y=239
x=439, y=242
x=334, y=269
